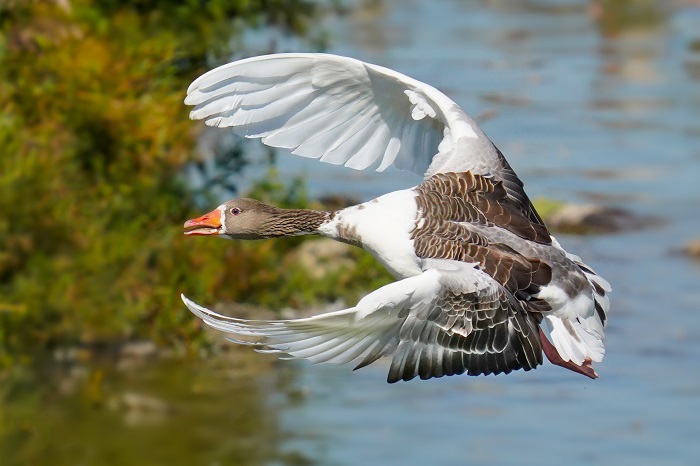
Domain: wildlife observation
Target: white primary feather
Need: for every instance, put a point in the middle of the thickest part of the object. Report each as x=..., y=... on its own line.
x=337, y=337
x=404, y=319
x=343, y=111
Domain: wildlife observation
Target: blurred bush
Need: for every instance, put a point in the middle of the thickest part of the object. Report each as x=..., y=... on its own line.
x=94, y=137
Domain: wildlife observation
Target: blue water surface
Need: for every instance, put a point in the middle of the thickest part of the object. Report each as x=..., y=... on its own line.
x=588, y=103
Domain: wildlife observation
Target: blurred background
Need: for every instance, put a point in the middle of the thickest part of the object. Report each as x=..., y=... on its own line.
x=595, y=103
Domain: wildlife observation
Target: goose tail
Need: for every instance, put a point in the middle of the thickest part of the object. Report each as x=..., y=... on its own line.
x=576, y=327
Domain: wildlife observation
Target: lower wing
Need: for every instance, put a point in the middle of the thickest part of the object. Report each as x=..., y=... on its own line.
x=441, y=322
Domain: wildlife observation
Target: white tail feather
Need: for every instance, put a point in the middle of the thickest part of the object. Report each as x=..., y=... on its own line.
x=578, y=332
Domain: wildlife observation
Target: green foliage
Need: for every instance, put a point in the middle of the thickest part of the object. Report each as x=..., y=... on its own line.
x=547, y=207
x=94, y=139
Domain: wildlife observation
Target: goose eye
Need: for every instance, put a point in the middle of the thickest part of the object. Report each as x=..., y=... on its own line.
x=235, y=211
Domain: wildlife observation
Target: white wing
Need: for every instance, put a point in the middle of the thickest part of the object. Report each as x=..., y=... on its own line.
x=438, y=323
x=345, y=112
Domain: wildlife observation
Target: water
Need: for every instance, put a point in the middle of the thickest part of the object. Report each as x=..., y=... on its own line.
x=587, y=103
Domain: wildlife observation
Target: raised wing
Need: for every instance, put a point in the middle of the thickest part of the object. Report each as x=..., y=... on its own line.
x=345, y=112
x=442, y=322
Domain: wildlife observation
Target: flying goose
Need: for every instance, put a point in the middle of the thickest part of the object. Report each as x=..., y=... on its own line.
x=482, y=287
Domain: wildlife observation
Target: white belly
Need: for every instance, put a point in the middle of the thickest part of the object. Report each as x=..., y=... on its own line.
x=383, y=227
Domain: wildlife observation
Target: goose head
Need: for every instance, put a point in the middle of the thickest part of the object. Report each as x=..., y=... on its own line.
x=250, y=219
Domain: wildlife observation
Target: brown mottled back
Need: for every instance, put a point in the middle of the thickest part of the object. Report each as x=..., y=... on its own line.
x=490, y=198
x=449, y=200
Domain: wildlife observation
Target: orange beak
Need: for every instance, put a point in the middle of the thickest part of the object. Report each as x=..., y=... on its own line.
x=207, y=224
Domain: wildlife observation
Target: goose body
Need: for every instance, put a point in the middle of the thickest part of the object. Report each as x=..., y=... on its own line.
x=482, y=287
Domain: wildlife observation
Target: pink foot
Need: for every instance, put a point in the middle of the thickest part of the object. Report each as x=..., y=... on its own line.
x=553, y=355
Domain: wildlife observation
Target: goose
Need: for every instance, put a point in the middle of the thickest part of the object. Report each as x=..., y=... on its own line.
x=481, y=286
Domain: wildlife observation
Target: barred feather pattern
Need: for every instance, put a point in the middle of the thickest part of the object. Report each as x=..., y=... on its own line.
x=479, y=333
x=449, y=201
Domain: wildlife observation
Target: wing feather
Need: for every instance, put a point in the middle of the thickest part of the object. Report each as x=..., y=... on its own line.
x=442, y=322
x=264, y=96
x=321, y=106
x=346, y=112
x=308, y=124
